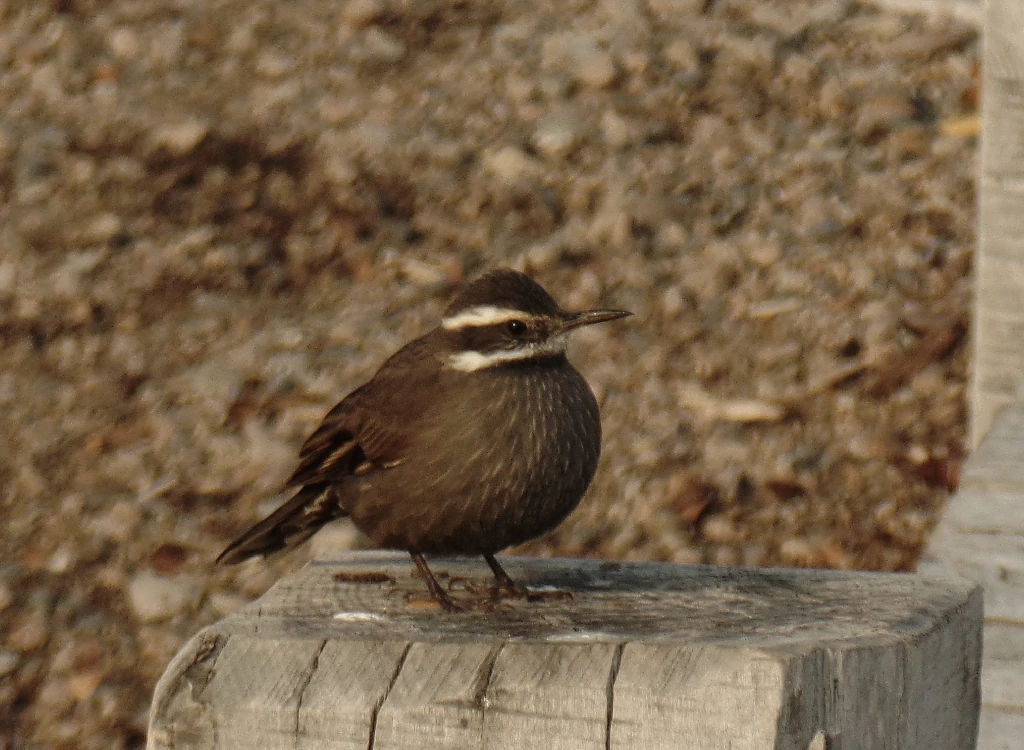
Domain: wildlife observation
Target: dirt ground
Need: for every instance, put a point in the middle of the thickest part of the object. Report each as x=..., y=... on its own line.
x=219, y=216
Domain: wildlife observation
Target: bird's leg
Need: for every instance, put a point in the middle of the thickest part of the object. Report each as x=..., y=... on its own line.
x=510, y=588
x=505, y=583
x=437, y=593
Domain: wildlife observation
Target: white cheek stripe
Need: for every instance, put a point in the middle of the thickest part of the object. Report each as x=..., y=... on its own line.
x=471, y=361
x=483, y=315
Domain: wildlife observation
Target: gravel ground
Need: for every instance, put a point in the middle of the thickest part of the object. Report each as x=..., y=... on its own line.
x=219, y=216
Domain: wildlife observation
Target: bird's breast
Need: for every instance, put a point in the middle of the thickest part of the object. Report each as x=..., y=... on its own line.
x=506, y=454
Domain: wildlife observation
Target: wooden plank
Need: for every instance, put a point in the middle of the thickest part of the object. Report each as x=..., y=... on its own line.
x=1004, y=642
x=437, y=700
x=1004, y=590
x=256, y=688
x=998, y=351
x=1003, y=553
x=1002, y=685
x=993, y=512
x=556, y=691
x=1002, y=141
x=981, y=536
x=1001, y=730
x=999, y=268
x=711, y=697
x=644, y=656
x=1004, y=40
x=997, y=465
x=1004, y=603
x=340, y=704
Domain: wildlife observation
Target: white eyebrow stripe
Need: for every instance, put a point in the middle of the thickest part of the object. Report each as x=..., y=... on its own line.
x=471, y=361
x=483, y=315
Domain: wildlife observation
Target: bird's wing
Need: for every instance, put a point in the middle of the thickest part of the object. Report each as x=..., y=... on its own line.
x=350, y=441
x=363, y=433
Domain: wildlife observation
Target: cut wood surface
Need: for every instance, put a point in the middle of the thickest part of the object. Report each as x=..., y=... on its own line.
x=351, y=653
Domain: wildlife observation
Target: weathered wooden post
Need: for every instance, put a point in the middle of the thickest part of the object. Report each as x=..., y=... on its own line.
x=343, y=654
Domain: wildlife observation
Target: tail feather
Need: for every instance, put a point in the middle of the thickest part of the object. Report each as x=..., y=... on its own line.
x=288, y=526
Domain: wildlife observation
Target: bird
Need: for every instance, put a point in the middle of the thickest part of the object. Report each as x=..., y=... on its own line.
x=475, y=437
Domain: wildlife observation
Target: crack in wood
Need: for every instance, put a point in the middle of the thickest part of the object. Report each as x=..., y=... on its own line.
x=480, y=691
x=387, y=691
x=613, y=673
x=198, y=672
x=305, y=684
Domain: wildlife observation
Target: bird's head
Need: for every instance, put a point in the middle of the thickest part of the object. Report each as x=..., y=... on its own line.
x=504, y=317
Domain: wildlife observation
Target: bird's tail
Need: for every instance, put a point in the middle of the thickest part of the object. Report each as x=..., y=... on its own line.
x=288, y=526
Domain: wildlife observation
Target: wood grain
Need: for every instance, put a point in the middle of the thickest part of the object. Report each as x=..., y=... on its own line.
x=437, y=700
x=558, y=691
x=340, y=705
x=999, y=262
x=643, y=656
x=1004, y=40
x=981, y=536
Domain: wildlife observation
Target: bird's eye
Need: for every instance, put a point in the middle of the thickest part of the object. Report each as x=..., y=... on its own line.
x=516, y=327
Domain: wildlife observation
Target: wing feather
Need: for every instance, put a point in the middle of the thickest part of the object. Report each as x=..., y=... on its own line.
x=362, y=434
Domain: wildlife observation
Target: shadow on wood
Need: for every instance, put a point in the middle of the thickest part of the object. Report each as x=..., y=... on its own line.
x=646, y=656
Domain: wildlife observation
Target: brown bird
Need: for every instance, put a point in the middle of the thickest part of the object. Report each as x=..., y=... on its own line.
x=475, y=437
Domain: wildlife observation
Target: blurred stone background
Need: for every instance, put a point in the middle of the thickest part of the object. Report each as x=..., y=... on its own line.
x=219, y=216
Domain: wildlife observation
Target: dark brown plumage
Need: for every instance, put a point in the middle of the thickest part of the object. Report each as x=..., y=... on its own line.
x=475, y=437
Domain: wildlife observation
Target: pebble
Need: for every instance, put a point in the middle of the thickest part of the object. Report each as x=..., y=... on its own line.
x=29, y=632
x=578, y=55
x=154, y=597
x=615, y=129
x=718, y=529
x=118, y=523
x=101, y=229
x=361, y=13
x=274, y=65
x=180, y=138
x=798, y=551
x=880, y=116
x=671, y=11
x=683, y=56
x=622, y=12
x=511, y=165
x=124, y=43
x=8, y=662
x=556, y=136
x=380, y=47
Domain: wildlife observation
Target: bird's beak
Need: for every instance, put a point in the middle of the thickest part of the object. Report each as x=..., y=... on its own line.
x=590, y=317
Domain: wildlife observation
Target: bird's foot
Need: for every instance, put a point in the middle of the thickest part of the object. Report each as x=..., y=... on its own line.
x=437, y=593
x=509, y=589
x=500, y=590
